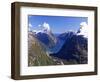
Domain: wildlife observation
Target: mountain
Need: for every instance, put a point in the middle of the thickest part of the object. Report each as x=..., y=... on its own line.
x=66, y=35
x=60, y=41
x=74, y=49
x=46, y=36
x=47, y=39
x=75, y=46
x=37, y=54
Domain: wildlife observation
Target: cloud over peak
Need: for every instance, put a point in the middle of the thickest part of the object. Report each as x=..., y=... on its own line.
x=46, y=26
x=83, y=29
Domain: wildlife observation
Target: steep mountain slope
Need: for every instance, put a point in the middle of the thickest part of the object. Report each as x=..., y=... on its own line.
x=45, y=36
x=37, y=55
x=46, y=39
x=74, y=49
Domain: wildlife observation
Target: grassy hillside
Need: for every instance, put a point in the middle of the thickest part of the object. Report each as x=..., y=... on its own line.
x=37, y=55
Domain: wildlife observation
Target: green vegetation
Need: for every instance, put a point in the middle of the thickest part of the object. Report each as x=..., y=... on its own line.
x=37, y=55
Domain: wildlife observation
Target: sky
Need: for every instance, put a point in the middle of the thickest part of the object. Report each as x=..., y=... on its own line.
x=58, y=24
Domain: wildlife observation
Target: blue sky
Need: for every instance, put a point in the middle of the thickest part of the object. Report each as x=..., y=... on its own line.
x=58, y=24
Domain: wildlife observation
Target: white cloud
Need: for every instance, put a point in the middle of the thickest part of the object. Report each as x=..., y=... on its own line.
x=83, y=29
x=83, y=24
x=30, y=25
x=46, y=26
x=39, y=25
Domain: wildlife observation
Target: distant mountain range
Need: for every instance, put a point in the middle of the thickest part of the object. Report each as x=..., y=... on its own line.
x=65, y=48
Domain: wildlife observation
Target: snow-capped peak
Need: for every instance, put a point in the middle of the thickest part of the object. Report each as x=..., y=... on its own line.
x=83, y=29
x=46, y=27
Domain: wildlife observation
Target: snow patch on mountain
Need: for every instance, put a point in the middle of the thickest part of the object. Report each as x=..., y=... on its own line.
x=83, y=29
